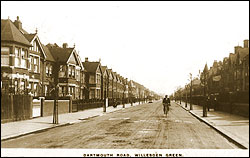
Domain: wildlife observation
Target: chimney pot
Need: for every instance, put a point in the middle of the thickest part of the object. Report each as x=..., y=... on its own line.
x=65, y=45
x=86, y=59
x=246, y=43
x=18, y=23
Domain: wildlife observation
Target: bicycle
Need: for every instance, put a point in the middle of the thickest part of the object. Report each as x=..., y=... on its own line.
x=166, y=108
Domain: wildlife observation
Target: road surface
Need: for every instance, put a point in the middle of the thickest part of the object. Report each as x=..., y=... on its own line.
x=139, y=127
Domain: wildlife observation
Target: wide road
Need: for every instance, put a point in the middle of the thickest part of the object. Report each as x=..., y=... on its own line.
x=139, y=127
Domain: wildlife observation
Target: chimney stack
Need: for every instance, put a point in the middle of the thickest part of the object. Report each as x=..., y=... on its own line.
x=246, y=43
x=236, y=49
x=86, y=59
x=65, y=45
x=18, y=23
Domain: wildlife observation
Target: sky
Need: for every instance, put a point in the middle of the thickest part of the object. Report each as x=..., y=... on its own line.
x=156, y=44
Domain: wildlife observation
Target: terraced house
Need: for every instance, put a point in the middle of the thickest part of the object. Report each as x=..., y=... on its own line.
x=70, y=67
x=93, y=79
x=104, y=82
x=110, y=85
x=48, y=76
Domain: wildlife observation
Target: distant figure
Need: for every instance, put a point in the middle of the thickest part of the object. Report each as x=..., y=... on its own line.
x=166, y=103
x=215, y=103
x=208, y=103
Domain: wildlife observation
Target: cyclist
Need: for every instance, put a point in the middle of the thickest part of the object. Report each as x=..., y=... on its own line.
x=166, y=103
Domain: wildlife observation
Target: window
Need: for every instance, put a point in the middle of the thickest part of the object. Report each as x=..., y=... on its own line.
x=92, y=94
x=92, y=79
x=98, y=78
x=77, y=93
x=62, y=72
x=50, y=70
x=35, y=89
x=61, y=68
x=23, y=58
x=5, y=51
x=30, y=86
x=77, y=75
x=73, y=92
x=62, y=91
x=17, y=57
x=47, y=70
x=34, y=46
x=16, y=86
x=22, y=86
x=36, y=64
x=70, y=71
x=46, y=90
x=98, y=93
x=31, y=63
x=73, y=71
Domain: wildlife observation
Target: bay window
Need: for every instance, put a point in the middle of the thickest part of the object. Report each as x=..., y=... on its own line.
x=5, y=51
x=62, y=71
x=69, y=71
x=23, y=58
x=36, y=64
x=73, y=71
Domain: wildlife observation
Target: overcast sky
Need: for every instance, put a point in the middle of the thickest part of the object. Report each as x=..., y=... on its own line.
x=156, y=44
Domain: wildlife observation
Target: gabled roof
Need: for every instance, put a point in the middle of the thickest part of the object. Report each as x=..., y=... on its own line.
x=49, y=56
x=114, y=75
x=60, y=54
x=232, y=58
x=91, y=66
x=9, y=32
x=110, y=72
x=104, y=68
x=243, y=52
x=79, y=60
x=30, y=37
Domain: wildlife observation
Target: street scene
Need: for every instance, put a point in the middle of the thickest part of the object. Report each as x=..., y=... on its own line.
x=147, y=79
x=140, y=127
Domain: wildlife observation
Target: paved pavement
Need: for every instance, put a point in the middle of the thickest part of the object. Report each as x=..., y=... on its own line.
x=19, y=128
x=234, y=127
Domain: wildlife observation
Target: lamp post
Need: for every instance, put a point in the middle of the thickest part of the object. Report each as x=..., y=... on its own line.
x=180, y=95
x=186, y=95
x=205, y=84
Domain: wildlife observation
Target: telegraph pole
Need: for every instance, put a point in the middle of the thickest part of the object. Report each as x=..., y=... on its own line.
x=191, y=107
x=55, y=112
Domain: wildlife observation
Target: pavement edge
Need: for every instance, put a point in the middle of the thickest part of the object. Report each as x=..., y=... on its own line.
x=217, y=129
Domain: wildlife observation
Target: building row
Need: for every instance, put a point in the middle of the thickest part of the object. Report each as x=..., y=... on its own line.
x=30, y=67
x=230, y=76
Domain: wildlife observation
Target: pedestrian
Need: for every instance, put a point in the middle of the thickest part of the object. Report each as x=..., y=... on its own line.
x=208, y=103
x=215, y=103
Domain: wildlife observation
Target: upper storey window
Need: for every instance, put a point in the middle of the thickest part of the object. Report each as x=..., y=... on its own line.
x=5, y=51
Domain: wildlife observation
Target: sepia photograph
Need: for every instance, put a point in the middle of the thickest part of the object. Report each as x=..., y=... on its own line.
x=125, y=78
